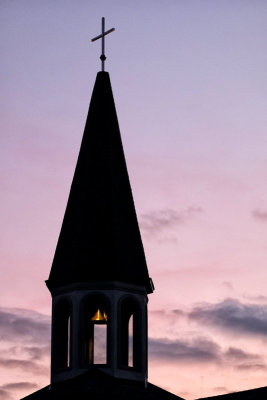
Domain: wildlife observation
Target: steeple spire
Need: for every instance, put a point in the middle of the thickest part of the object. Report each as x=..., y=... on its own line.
x=100, y=238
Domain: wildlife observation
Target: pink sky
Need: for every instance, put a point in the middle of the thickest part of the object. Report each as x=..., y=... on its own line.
x=189, y=81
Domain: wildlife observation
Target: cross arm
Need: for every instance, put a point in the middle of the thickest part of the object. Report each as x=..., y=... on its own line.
x=104, y=34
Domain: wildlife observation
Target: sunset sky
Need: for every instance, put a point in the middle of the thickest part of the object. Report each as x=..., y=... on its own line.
x=190, y=87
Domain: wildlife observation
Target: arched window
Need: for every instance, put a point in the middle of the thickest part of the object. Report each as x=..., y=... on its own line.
x=95, y=330
x=62, y=334
x=130, y=343
x=130, y=334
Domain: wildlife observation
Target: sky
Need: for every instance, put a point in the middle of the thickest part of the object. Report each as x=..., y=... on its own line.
x=190, y=87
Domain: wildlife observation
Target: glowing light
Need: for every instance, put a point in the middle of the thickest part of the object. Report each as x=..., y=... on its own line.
x=99, y=317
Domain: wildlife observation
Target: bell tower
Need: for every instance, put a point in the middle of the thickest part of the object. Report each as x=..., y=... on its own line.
x=99, y=279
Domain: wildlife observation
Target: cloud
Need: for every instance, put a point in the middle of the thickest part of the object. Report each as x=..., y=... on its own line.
x=4, y=395
x=252, y=366
x=258, y=299
x=228, y=285
x=260, y=215
x=198, y=349
x=37, y=353
x=7, y=389
x=179, y=313
x=201, y=350
x=156, y=222
x=168, y=314
x=233, y=316
x=20, y=324
x=19, y=386
x=235, y=354
x=24, y=345
x=24, y=365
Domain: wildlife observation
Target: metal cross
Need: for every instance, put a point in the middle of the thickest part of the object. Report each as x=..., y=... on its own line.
x=102, y=36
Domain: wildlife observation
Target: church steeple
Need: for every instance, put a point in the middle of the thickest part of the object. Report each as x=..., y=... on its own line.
x=100, y=238
x=99, y=279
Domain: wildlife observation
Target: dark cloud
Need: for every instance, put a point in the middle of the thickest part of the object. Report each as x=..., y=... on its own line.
x=233, y=316
x=179, y=313
x=157, y=221
x=252, y=366
x=19, y=386
x=235, y=354
x=204, y=349
x=37, y=353
x=199, y=349
x=260, y=215
x=28, y=326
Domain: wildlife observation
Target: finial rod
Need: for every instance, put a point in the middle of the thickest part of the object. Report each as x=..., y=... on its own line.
x=103, y=57
x=102, y=36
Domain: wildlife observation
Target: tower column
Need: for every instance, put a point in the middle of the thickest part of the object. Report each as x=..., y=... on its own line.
x=112, y=345
x=76, y=334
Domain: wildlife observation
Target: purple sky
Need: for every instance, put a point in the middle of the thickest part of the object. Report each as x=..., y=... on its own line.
x=190, y=87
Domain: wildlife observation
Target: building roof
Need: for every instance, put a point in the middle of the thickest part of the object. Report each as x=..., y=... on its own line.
x=100, y=237
x=96, y=385
x=252, y=394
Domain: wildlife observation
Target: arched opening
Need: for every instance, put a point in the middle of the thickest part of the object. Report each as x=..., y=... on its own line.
x=130, y=342
x=62, y=334
x=95, y=319
x=68, y=351
x=130, y=334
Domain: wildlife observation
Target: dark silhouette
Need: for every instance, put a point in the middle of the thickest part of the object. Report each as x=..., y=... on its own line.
x=100, y=238
x=99, y=279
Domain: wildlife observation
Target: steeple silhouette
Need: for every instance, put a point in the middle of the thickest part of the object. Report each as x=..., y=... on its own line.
x=100, y=238
x=99, y=279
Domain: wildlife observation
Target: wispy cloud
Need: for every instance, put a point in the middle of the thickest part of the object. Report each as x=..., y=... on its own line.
x=228, y=285
x=24, y=365
x=221, y=389
x=19, y=385
x=7, y=390
x=258, y=299
x=260, y=215
x=156, y=222
x=233, y=316
x=25, y=349
x=252, y=366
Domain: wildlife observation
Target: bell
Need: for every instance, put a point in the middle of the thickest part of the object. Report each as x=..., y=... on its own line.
x=99, y=317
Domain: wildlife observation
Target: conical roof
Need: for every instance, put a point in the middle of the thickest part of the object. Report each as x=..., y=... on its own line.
x=100, y=238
